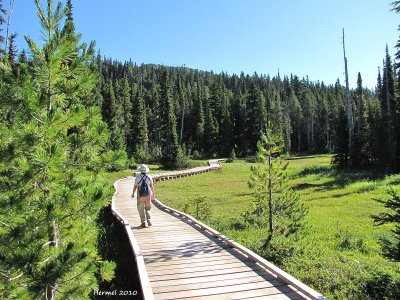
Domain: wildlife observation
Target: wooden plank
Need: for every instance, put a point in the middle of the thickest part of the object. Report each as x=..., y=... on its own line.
x=204, y=262
x=148, y=244
x=177, y=245
x=191, y=259
x=212, y=284
x=189, y=249
x=261, y=288
x=194, y=269
x=213, y=278
x=201, y=274
x=285, y=296
x=148, y=241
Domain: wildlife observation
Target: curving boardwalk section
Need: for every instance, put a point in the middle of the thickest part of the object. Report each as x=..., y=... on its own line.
x=181, y=258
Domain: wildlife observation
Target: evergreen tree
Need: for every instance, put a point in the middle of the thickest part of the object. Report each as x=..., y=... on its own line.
x=361, y=149
x=199, y=119
x=169, y=137
x=50, y=188
x=211, y=128
x=140, y=139
x=23, y=59
x=238, y=119
x=390, y=246
x=287, y=127
x=113, y=117
x=154, y=122
x=256, y=116
x=12, y=49
x=396, y=8
x=182, y=106
x=275, y=94
x=389, y=113
x=124, y=95
x=276, y=205
x=341, y=135
x=309, y=110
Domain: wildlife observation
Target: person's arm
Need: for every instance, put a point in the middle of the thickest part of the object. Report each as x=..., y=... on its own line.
x=134, y=189
x=153, y=195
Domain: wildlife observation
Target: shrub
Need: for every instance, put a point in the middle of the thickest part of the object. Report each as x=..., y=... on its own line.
x=232, y=156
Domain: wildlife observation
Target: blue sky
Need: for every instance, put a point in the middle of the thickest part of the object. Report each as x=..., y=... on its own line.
x=301, y=37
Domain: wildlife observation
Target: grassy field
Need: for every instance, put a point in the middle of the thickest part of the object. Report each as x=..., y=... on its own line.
x=339, y=254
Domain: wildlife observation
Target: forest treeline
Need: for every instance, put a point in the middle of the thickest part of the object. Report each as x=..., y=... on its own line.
x=152, y=108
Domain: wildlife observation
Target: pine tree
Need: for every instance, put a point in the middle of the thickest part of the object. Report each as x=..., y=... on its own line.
x=361, y=150
x=276, y=205
x=396, y=8
x=390, y=246
x=139, y=131
x=154, y=122
x=287, y=127
x=169, y=137
x=199, y=120
x=12, y=49
x=389, y=112
x=341, y=128
x=50, y=189
x=125, y=102
x=276, y=109
x=256, y=116
x=238, y=108
x=309, y=110
x=113, y=117
x=211, y=128
x=182, y=105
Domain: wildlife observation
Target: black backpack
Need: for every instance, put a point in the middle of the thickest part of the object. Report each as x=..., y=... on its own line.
x=144, y=188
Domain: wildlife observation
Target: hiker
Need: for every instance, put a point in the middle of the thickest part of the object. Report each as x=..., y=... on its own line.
x=145, y=187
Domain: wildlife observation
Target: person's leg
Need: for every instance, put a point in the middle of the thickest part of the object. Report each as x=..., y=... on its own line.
x=148, y=215
x=140, y=207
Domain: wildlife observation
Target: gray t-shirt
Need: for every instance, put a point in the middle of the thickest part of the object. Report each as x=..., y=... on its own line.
x=148, y=179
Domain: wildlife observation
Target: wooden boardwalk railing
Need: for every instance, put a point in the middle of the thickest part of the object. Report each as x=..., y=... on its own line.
x=181, y=258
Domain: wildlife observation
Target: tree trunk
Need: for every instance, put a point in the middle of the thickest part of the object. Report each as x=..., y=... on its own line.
x=348, y=102
x=271, y=223
x=8, y=25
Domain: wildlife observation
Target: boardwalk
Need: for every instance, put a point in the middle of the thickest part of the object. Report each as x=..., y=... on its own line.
x=184, y=260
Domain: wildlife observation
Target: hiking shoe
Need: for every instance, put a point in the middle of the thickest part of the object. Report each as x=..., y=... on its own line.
x=149, y=223
x=143, y=225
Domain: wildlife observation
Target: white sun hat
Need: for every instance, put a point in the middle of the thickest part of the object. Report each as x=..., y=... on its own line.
x=143, y=169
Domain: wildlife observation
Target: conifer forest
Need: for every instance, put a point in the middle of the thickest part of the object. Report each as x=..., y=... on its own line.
x=70, y=115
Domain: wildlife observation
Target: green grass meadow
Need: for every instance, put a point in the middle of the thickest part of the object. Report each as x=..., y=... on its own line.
x=339, y=254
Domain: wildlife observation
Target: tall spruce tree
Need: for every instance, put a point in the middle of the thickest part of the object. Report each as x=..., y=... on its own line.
x=361, y=150
x=198, y=117
x=256, y=116
x=389, y=112
x=211, y=128
x=169, y=136
x=50, y=188
x=396, y=8
x=12, y=49
x=112, y=114
x=139, y=131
